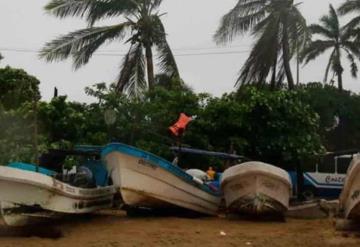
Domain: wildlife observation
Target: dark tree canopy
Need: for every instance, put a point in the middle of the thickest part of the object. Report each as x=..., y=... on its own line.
x=17, y=87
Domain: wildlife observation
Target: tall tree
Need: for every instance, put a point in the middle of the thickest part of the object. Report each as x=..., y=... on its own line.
x=279, y=28
x=339, y=39
x=142, y=28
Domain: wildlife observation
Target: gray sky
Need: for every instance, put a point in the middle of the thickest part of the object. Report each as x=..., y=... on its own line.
x=190, y=25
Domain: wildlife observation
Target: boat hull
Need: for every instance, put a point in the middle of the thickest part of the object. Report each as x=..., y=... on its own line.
x=256, y=188
x=18, y=215
x=143, y=183
x=32, y=189
x=350, y=195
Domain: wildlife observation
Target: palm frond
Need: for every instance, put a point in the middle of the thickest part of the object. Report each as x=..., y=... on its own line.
x=315, y=49
x=353, y=47
x=91, y=10
x=351, y=30
x=328, y=66
x=240, y=19
x=154, y=4
x=349, y=6
x=298, y=31
x=318, y=29
x=331, y=22
x=167, y=63
x=262, y=56
x=132, y=75
x=353, y=65
x=82, y=44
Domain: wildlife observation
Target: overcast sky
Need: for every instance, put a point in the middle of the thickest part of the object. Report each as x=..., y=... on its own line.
x=190, y=24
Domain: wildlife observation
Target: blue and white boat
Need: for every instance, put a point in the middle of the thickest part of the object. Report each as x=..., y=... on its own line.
x=29, y=193
x=148, y=181
x=326, y=178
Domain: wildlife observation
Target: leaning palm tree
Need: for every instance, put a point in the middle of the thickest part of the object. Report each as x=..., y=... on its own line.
x=280, y=30
x=339, y=40
x=141, y=28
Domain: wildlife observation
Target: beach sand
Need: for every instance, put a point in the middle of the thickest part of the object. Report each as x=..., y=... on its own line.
x=113, y=229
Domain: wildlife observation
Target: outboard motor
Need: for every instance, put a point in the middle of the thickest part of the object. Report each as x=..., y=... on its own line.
x=84, y=178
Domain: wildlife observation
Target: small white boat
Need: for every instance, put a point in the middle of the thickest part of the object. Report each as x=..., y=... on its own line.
x=350, y=195
x=147, y=181
x=256, y=188
x=31, y=194
x=30, y=191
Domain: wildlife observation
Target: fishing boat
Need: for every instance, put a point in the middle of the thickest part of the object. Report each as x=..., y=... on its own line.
x=350, y=195
x=148, y=181
x=29, y=192
x=256, y=188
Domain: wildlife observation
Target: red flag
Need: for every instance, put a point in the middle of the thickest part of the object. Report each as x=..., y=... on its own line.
x=179, y=127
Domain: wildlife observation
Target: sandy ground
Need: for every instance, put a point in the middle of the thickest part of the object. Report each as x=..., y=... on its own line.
x=113, y=229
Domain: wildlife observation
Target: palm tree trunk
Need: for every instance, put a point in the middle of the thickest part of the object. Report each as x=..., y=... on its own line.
x=150, y=66
x=273, y=78
x=339, y=69
x=340, y=81
x=286, y=56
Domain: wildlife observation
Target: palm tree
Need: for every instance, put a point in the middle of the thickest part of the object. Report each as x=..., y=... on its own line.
x=141, y=26
x=338, y=39
x=280, y=29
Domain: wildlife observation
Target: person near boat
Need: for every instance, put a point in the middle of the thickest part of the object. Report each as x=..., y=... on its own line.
x=211, y=173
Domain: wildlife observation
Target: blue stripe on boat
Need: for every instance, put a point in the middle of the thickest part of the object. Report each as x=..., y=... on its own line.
x=166, y=165
x=31, y=168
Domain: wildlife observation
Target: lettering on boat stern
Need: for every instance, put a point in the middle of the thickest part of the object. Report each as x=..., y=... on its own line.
x=97, y=192
x=147, y=163
x=355, y=195
x=63, y=187
x=335, y=179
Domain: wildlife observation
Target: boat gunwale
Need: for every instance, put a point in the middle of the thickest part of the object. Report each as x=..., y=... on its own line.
x=226, y=180
x=158, y=161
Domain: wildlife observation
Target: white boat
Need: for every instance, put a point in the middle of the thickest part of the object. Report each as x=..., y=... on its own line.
x=350, y=195
x=30, y=191
x=148, y=181
x=256, y=188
